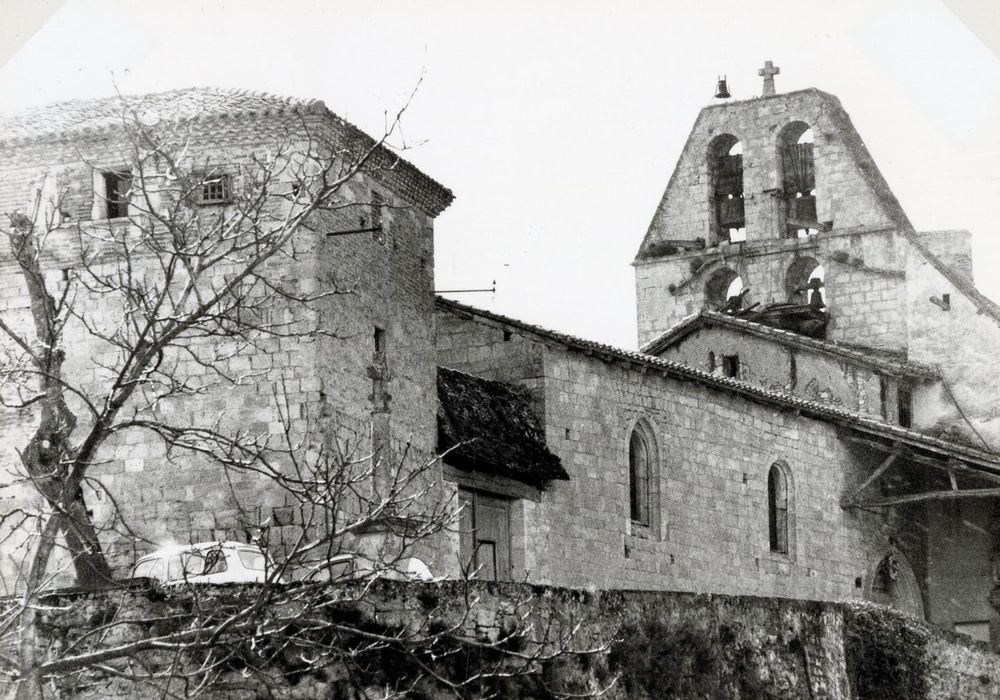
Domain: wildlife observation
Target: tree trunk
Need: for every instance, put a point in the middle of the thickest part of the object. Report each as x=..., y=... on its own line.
x=92, y=570
x=29, y=685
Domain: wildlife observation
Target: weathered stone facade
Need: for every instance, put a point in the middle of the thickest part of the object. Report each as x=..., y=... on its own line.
x=712, y=451
x=753, y=480
x=324, y=387
x=889, y=401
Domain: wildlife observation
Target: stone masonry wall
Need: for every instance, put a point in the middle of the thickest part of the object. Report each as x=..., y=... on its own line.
x=843, y=187
x=768, y=363
x=326, y=382
x=962, y=342
x=712, y=454
x=862, y=284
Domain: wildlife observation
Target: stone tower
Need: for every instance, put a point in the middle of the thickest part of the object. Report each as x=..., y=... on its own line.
x=768, y=194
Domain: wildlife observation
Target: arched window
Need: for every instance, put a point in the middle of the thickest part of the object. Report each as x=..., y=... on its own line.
x=777, y=509
x=725, y=172
x=638, y=478
x=722, y=288
x=798, y=180
x=804, y=283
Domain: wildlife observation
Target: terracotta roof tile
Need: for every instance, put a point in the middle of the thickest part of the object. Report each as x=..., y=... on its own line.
x=882, y=360
x=750, y=391
x=90, y=116
x=486, y=425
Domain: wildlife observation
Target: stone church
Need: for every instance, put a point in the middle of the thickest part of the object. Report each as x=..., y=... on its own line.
x=810, y=414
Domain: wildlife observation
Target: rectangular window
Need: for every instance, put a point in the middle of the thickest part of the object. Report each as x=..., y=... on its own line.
x=216, y=189
x=883, y=397
x=731, y=366
x=117, y=189
x=904, y=404
x=379, y=340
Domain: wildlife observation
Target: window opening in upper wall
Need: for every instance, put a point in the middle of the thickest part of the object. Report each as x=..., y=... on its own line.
x=117, y=190
x=777, y=510
x=638, y=478
x=731, y=366
x=725, y=169
x=904, y=401
x=216, y=189
x=883, y=397
x=798, y=180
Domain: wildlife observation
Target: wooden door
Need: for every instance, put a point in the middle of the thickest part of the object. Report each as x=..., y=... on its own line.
x=485, y=535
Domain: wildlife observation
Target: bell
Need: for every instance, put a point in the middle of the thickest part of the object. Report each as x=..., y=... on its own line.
x=721, y=89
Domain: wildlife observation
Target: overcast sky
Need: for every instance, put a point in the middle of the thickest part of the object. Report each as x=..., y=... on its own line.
x=557, y=123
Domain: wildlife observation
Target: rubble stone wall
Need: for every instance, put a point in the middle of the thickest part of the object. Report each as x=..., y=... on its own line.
x=656, y=644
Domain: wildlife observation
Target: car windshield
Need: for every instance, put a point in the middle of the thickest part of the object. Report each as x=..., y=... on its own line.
x=252, y=559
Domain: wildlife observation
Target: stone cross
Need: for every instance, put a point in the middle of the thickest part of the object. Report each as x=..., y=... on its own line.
x=768, y=72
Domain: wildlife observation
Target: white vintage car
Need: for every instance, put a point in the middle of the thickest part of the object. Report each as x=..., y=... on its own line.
x=204, y=562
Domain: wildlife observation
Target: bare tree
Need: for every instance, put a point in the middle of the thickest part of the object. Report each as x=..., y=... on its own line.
x=163, y=303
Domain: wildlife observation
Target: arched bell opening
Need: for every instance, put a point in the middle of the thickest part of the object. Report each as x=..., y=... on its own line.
x=724, y=290
x=805, y=283
x=725, y=171
x=796, y=159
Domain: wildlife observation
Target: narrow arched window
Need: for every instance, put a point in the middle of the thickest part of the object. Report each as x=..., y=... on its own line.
x=777, y=509
x=638, y=478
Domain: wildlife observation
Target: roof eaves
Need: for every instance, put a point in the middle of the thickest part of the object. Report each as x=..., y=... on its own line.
x=94, y=117
x=749, y=391
x=705, y=317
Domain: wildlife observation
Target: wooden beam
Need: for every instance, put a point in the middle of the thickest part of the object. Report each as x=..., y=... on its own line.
x=928, y=496
x=946, y=462
x=886, y=463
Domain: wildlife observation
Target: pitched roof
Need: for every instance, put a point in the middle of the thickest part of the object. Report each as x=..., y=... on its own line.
x=980, y=458
x=94, y=116
x=489, y=426
x=883, y=361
